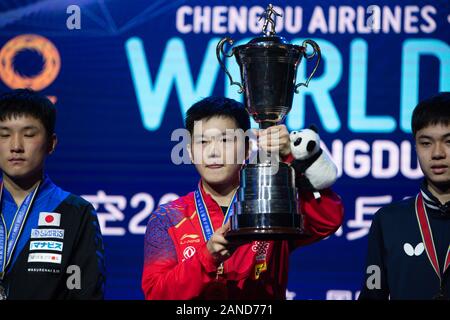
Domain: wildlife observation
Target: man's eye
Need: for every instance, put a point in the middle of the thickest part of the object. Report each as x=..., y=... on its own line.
x=425, y=143
x=4, y=135
x=29, y=135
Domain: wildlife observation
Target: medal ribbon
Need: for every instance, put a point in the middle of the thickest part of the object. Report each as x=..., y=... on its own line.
x=203, y=213
x=427, y=237
x=8, y=239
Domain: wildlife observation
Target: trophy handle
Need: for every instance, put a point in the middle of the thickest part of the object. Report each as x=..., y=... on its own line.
x=316, y=51
x=220, y=50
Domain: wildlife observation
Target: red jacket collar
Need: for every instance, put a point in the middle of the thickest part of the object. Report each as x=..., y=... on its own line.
x=210, y=203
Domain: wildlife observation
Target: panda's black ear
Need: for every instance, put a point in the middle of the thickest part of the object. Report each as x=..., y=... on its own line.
x=314, y=128
x=310, y=146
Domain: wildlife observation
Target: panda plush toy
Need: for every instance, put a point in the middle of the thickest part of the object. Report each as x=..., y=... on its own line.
x=315, y=170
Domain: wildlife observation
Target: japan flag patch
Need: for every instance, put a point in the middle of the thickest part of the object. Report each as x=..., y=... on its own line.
x=49, y=219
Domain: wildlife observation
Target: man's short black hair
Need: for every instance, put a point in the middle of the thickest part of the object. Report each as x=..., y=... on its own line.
x=26, y=102
x=433, y=111
x=217, y=107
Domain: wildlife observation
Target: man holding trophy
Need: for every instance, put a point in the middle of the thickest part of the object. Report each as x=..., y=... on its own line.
x=231, y=238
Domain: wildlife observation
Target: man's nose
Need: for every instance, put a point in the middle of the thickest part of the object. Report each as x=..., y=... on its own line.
x=16, y=144
x=438, y=151
x=214, y=149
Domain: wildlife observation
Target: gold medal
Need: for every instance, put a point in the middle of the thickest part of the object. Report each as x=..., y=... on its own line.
x=2, y=293
x=439, y=296
x=219, y=271
x=217, y=289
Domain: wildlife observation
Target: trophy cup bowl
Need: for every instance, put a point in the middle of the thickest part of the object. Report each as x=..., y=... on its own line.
x=267, y=203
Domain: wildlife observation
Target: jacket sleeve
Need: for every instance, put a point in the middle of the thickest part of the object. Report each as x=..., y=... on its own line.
x=164, y=276
x=375, y=285
x=321, y=217
x=88, y=255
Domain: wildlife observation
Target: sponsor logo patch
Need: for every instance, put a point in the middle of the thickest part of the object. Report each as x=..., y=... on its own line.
x=44, y=270
x=47, y=233
x=46, y=245
x=190, y=238
x=411, y=251
x=188, y=252
x=45, y=257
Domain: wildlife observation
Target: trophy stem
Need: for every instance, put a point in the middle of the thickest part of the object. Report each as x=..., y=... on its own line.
x=265, y=124
x=262, y=126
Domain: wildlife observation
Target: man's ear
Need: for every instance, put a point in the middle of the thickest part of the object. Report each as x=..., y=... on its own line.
x=190, y=152
x=248, y=148
x=52, y=142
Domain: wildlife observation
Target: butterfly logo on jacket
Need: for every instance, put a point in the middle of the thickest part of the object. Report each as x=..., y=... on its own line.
x=411, y=251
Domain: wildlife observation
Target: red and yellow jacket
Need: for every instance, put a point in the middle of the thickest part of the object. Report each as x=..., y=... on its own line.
x=178, y=265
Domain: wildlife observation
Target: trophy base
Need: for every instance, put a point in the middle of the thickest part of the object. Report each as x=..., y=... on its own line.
x=266, y=234
x=248, y=227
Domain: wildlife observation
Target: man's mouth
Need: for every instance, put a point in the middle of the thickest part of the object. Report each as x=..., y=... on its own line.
x=16, y=160
x=214, y=166
x=439, y=169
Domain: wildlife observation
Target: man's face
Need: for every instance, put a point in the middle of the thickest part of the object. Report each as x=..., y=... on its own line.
x=24, y=146
x=216, y=152
x=433, y=151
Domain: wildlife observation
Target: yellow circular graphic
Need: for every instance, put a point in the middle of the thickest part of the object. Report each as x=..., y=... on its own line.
x=50, y=56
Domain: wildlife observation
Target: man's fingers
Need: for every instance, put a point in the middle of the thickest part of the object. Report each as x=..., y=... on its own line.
x=222, y=256
x=227, y=226
x=220, y=239
x=221, y=252
x=273, y=140
x=219, y=247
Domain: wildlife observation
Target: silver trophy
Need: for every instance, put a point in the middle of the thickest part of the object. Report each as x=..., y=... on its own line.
x=267, y=203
